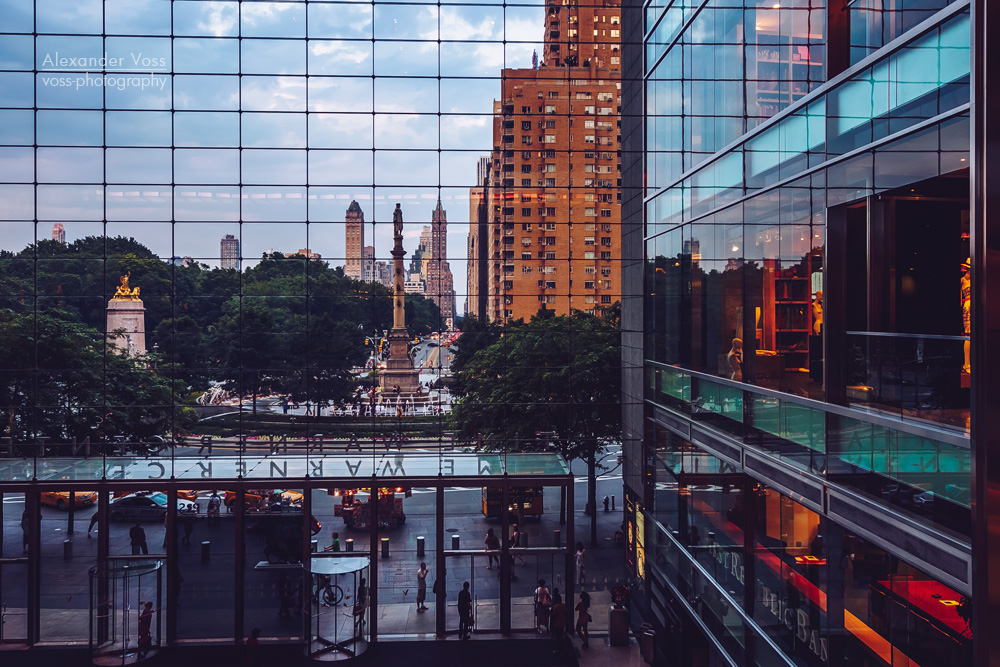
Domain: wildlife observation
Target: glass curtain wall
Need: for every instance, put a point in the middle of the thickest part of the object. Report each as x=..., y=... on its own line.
x=209, y=216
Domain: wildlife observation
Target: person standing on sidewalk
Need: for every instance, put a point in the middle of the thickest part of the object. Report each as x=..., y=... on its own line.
x=558, y=621
x=583, y=618
x=542, y=603
x=465, y=612
x=581, y=563
x=137, y=537
x=422, y=587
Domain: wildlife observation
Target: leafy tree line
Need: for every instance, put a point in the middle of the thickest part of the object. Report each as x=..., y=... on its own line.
x=285, y=325
x=551, y=383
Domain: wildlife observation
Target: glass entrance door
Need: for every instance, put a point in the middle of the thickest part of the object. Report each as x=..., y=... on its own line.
x=484, y=587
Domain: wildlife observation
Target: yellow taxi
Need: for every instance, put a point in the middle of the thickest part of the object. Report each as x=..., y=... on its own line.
x=60, y=499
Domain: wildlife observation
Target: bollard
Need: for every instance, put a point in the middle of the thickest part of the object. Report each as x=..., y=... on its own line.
x=68, y=549
x=314, y=546
x=385, y=547
x=612, y=503
x=349, y=543
x=420, y=546
x=523, y=539
x=206, y=547
x=557, y=538
x=454, y=542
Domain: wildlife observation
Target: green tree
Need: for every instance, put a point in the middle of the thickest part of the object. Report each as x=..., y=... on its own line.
x=554, y=381
x=63, y=380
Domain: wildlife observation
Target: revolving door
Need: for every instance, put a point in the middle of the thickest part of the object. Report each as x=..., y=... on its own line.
x=125, y=605
x=339, y=610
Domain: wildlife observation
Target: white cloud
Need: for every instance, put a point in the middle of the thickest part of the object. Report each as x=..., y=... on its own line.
x=221, y=21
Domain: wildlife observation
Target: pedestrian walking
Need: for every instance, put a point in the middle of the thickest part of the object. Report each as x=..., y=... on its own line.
x=558, y=621
x=583, y=618
x=137, y=536
x=93, y=522
x=492, y=544
x=543, y=601
x=360, y=603
x=334, y=543
x=422, y=587
x=465, y=612
x=581, y=563
x=25, y=526
x=145, y=629
x=188, y=529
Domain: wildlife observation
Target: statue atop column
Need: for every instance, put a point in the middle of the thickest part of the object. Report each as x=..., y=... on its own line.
x=399, y=375
x=397, y=223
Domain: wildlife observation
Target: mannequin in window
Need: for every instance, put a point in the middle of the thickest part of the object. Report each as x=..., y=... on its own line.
x=817, y=312
x=735, y=360
x=966, y=311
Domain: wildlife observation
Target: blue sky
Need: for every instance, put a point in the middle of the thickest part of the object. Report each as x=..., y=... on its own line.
x=405, y=112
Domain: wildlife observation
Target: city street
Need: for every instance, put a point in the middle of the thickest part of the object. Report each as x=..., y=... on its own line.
x=206, y=591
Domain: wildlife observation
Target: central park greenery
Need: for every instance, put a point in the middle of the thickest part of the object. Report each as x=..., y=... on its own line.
x=285, y=326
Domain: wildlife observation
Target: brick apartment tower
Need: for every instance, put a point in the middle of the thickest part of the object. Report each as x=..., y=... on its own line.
x=554, y=233
x=354, y=250
x=440, y=281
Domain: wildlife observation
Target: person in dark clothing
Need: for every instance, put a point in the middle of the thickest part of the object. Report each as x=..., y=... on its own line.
x=137, y=536
x=188, y=529
x=25, y=524
x=557, y=622
x=145, y=630
x=93, y=521
x=253, y=649
x=492, y=544
x=465, y=612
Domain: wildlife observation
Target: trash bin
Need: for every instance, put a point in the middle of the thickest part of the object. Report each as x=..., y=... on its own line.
x=618, y=626
x=647, y=642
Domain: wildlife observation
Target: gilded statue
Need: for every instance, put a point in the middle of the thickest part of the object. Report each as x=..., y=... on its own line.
x=124, y=292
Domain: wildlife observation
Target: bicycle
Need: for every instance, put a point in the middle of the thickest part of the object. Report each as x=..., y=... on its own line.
x=330, y=593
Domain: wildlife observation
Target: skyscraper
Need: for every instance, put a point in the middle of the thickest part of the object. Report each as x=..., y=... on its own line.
x=440, y=281
x=229, y=252
x=476, y=267
x=59, y=233
x=355, y=231
x=554, y=230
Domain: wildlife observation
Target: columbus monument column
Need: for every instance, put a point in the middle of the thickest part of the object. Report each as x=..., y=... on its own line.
x=399, y=371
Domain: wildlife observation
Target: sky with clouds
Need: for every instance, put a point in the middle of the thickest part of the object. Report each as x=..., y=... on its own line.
x=416, y=83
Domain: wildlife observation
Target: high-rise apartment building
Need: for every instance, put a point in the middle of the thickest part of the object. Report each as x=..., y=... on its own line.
x=59, y=233
x=229, y=252
x=808, y=382
x=354, y=248
x=440, y=286
x=554, y=230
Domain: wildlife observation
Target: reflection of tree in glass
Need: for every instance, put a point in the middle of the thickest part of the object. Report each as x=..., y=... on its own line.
x=553, y=382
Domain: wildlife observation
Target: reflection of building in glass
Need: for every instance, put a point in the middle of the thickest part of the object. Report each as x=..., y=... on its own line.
x=229, y=251
x=59, y=233
x=440, y=282
x=798, y=453
x=555, y=213
x=354, y=226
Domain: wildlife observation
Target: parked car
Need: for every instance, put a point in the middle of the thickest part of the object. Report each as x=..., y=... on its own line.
x=60, y=499
x=277, y=498
x=147, y=507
